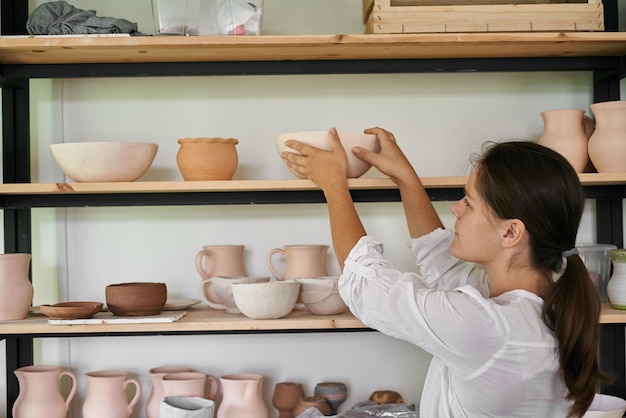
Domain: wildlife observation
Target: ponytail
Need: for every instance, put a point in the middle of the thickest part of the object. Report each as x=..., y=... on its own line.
x=572, y=310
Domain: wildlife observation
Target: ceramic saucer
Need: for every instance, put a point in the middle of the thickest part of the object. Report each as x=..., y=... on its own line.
x=179, y=304
x=71, y=310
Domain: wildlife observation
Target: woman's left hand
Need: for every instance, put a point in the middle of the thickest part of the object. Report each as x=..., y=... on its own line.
x=324, y=168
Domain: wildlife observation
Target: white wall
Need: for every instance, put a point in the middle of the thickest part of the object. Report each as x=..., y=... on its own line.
x=439, y=119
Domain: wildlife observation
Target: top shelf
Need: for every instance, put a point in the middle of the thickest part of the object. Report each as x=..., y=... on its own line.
x=20, y=54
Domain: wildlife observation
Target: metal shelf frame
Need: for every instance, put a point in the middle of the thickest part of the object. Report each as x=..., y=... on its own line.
x=14, y=80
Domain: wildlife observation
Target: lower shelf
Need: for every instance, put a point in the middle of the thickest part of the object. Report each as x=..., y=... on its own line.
x=197, y=320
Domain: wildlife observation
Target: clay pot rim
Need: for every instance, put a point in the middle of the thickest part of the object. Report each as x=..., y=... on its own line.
x=242, y=376
x=608, y=103
x=200, y=139
x=180, y=376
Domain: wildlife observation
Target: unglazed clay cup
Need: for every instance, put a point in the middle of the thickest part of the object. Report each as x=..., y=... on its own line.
x=320, y=139
x=221, y=286
x=320, y=295
x=269, y=300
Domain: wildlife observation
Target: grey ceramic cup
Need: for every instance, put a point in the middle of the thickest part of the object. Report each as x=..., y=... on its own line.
x=186, y=407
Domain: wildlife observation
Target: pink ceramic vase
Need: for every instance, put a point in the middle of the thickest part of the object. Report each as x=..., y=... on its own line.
x=607, y=145
x=242, y=397
x=16, y=291
x=39, y=392
x=302, y=261
x=156, y=394
x=565, y=131
x=189, y=384
x=106, y=395
x=207, y=158
x=285, y=398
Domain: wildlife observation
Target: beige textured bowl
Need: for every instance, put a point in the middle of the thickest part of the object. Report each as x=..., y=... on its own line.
x=136, y=298
x=319, y=139
x=266, y=300
x=104, y=161
x=320, y=295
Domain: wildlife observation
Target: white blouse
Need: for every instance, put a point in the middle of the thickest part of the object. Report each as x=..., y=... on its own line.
x=492, y=357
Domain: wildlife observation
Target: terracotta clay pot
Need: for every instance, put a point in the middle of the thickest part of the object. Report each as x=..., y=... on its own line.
x=207, y=158
x=312, y=401
x=16, y=291
x=565, y=131
x=39, y=392
x=136, y=298
x=286, y=397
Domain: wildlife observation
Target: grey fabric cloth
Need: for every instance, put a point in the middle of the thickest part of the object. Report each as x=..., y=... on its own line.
x=61, y=18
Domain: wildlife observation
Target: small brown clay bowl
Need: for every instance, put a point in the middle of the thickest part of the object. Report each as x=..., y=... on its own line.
x=71, y=310
x=136, y=298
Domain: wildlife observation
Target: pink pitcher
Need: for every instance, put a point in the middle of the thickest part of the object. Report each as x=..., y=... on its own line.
x=242, y=397
x=220, y=260
x=156, y=394
x=16, y=291
x=39, y=392
x=189, y=384
x=302, y=261
x=106, y=395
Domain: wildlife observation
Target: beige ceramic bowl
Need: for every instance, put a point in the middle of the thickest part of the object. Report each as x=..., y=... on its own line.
x=104, y=161
x=136, y=298
x=320, y=295
x=319, y=139
x=266, y=300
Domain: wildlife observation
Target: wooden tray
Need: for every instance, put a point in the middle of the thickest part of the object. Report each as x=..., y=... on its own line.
x=437, y=16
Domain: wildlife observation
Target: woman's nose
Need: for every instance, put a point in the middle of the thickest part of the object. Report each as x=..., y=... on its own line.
x=456, y=209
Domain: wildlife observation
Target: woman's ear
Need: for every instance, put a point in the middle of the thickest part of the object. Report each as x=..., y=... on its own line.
x=514, y=233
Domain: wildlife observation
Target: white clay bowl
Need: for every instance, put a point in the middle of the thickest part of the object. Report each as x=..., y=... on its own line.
x=320, y=295
x=266, y=300
x=104, y=161
x=319, y=139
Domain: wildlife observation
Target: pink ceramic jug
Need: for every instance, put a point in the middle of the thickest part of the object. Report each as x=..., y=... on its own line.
x=39, y=392
x=566, y=132
x=220, y=260
x=106, y=395
x=189, y=384
x=16, y=291
x=156, y=394
x=302, y=261
x=607, y=145
x=242, y=397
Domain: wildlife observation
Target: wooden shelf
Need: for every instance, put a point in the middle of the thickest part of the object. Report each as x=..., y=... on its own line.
x=587, y=179
x=610, y=315
x=151, y=49
x=197, y=320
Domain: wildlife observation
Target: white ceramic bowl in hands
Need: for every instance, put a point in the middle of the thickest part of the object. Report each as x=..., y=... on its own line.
x=606, y=406
x=319, y=139
x=266, y=300
x=320, y=295
x=104, y=161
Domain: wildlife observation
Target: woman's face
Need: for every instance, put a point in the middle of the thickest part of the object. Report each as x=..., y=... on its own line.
x=478, y=230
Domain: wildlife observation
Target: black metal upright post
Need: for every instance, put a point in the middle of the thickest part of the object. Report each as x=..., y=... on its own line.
x=15, y=169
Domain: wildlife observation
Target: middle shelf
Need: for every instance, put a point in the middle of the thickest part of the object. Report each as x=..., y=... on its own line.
x=31, y=195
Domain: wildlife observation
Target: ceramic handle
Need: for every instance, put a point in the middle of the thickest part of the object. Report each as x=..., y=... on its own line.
x=206, y=300
x=271, y=266
x=203, y=271
x=137, y=396
x=70, y=395
x=213, y=387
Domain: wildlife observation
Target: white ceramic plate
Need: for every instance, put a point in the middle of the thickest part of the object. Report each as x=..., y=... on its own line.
x=179, y=304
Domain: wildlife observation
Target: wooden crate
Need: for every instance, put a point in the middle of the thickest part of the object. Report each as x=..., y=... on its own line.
x=437, y=16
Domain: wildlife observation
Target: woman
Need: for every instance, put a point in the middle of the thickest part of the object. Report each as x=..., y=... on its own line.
x=503, y=303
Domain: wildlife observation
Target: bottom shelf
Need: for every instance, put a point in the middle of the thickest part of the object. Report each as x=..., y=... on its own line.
x=196, y=320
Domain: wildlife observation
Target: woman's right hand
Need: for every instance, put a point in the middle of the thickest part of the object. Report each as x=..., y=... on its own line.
x=390, y=161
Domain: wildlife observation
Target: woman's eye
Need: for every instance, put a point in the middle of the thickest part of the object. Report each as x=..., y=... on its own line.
x=465, y=201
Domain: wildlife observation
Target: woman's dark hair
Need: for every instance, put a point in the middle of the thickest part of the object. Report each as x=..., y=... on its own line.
x=526, y=181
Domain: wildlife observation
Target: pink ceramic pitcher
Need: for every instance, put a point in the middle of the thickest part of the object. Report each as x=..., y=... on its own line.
x=156, y=394
x=302, y=261
x=567, y=132
x=242, y=397
x=106, y=394
x=607, y=145
x=220, y=260
x=16, y=291
x=189, y=384
x=39, y=392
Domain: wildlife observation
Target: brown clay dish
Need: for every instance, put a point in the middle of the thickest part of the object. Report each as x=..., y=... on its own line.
x=71, y=310
x=136, y=298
